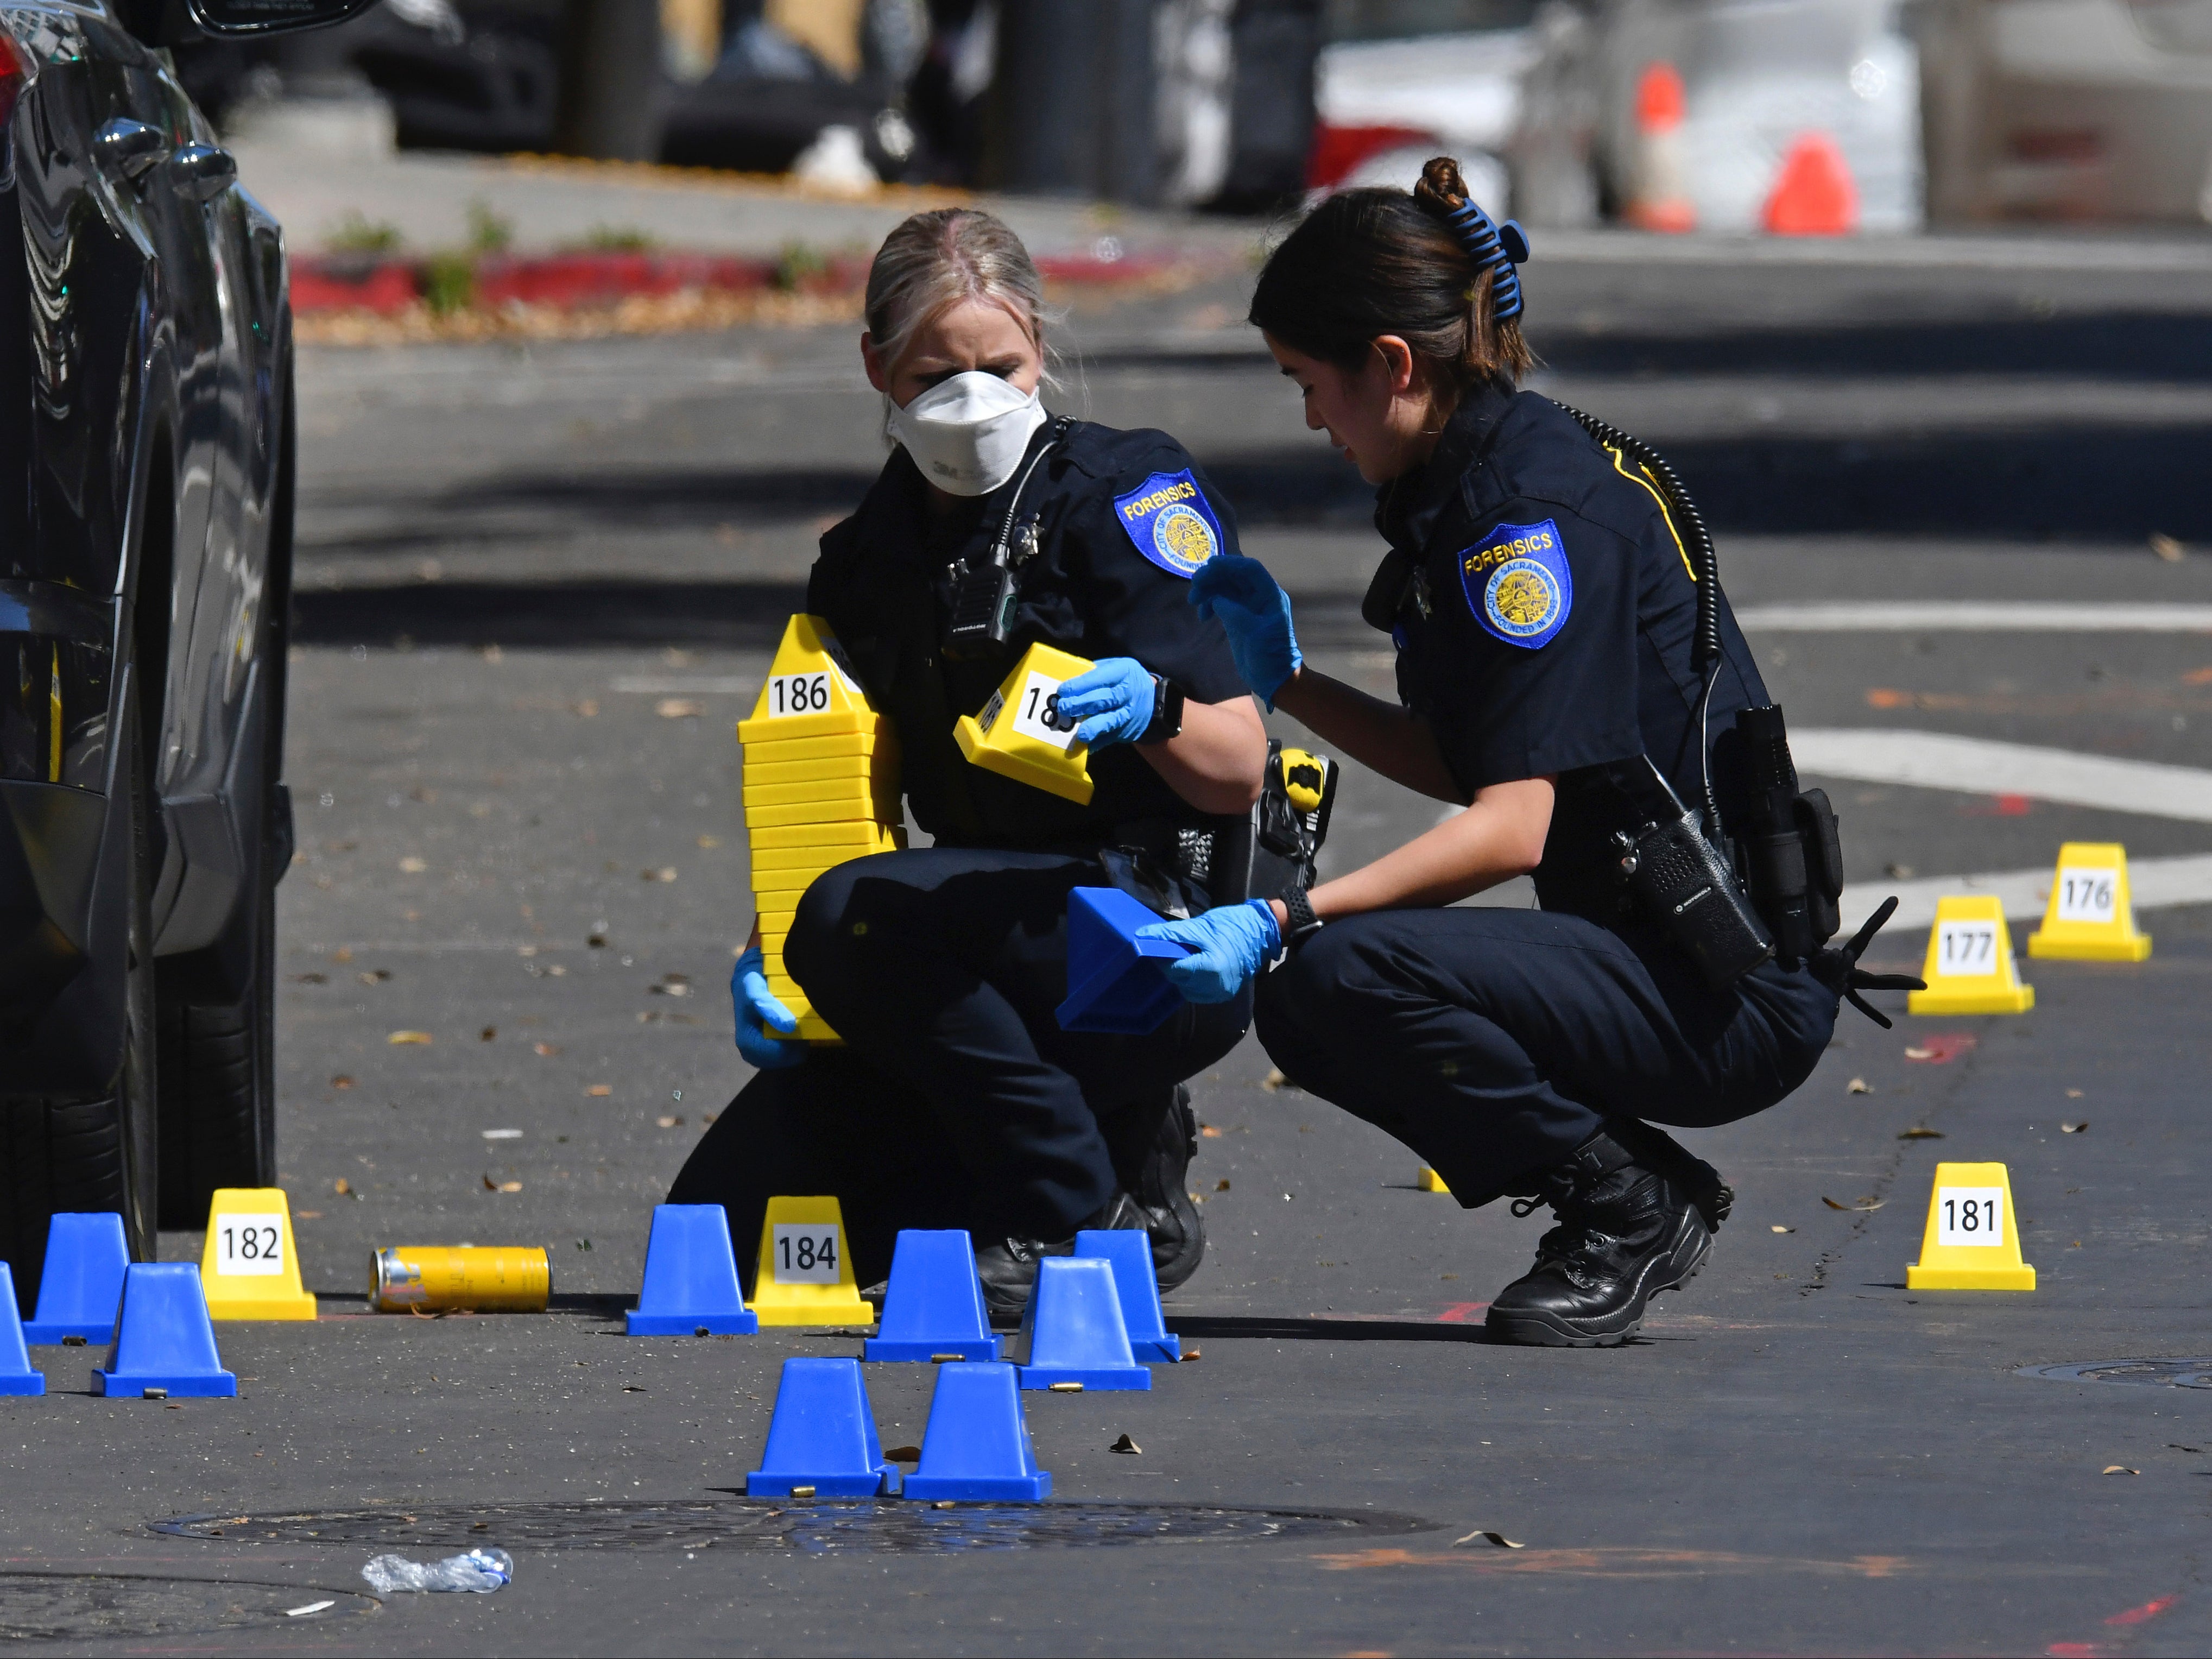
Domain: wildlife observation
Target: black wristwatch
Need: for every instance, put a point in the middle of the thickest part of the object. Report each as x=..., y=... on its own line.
x=1303, y=924
x=1167, y=712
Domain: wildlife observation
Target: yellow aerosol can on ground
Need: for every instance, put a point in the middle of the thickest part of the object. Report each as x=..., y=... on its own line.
x=502, y=1279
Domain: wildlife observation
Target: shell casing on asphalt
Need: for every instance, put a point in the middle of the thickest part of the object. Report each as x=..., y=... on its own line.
x=502, y=1279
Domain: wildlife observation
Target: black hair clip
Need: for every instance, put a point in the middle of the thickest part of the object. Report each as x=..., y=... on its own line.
x=1496, y=248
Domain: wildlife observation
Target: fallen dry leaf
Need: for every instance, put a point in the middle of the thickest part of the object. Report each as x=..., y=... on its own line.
x=307, y=1215
x=344, y=953
x=1207, y=1132
x=710, y=842
x=510, y=1186
x=548, y=1049
x=2168, y=548
x=2118, y=1468
x=586, y=708
x=1126, y=1444
x=1921, y=1135
x=1222, y=1185
x=490, y=1034
x=668, y=1123
x=679, y=708
x=600, y=1090
x=2073, y=1094
x=1497, y=1539
x=411, y=865
x=341, y=1081
x=1858, y=1085
x=1862, y=1207
x=1275, y=1080
x=2073, y=1128
x=342, y=1187
x=1191, y=1354
x=404, y=1038
x=1782, y=1229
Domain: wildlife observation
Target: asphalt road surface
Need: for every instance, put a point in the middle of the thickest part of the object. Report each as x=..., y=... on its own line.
x=535, y=590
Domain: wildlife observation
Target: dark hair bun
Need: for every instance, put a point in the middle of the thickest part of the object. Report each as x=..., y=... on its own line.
x=1441, y=188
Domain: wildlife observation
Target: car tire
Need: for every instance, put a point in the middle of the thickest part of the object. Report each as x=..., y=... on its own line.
x=101, y=1154
x=218, y=1031
x=218, y=1088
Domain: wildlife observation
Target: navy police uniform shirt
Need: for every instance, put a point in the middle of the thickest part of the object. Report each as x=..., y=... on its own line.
x=1123, y=519
x=1548, y=629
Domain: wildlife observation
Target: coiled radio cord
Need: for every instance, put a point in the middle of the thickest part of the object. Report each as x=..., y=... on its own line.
x=1698, y=542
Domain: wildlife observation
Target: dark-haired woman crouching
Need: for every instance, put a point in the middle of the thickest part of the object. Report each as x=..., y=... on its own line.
x=1541, y=593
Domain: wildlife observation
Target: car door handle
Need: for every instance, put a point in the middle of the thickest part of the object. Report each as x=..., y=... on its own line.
x=203, y=171
x=129, y=147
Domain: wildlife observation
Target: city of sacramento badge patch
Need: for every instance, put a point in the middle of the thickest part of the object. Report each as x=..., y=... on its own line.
x=1518, y=583
x=1168, y=517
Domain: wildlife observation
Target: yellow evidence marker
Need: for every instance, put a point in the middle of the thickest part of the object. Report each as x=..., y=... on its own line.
x=1020, y=733
x=805, y=1275
x=1430, y=1182
x=251, y=1267
x=821, y=787
x=1972, y=1242
x=1970, y=968
x=2091, y=915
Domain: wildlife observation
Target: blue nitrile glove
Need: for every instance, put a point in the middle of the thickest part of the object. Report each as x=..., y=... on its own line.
x=1233, y=942
x=757, y=1010
x=1112, y=698
x=1238, y=593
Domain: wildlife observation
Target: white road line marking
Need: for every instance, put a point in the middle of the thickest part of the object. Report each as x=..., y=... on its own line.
x=1974, y=616
x=1939, y=760
x=2157, y=884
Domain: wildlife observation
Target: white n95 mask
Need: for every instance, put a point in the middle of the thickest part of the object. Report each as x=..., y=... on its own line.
x=967, y=434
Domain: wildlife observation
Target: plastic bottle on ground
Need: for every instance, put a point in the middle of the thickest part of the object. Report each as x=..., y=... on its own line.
x=482, y=1570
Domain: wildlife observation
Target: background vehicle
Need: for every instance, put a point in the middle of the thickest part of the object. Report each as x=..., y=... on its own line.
x=2068, y=110
x=146, y=513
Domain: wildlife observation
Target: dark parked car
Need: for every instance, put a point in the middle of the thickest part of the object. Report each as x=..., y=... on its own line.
x=146, y=465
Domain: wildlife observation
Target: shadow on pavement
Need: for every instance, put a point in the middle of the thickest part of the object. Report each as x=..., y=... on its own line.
x=582, y=613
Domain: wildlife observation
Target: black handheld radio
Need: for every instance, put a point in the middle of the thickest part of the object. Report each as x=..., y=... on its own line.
x=981, y=618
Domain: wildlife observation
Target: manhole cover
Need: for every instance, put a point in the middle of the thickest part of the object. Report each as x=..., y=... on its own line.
x=88, y=1606
x=814, y=1529
x=2161, y=1373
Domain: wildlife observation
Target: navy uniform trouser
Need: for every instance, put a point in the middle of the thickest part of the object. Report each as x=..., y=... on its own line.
x=956, y=1101
x=1494, y=1042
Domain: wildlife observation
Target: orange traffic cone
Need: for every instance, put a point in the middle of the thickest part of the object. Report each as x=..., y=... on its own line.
x=1813, y=195
x=1659, y=197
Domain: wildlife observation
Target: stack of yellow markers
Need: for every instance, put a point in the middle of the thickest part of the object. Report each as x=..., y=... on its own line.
x=821, y=788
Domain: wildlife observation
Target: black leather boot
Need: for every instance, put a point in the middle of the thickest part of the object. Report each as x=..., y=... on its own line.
x=1008, y=1266
x=1655, y=1149
x=1152, y=1143
x=1628, y=1228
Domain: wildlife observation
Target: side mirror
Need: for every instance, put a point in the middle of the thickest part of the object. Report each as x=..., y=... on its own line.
x=234, y=18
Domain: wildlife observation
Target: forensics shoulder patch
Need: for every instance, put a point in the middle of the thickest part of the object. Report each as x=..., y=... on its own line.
x=1518, y=583
x=1169, y=519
